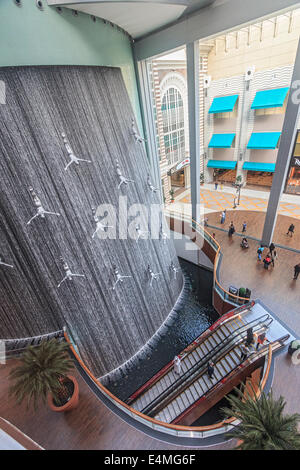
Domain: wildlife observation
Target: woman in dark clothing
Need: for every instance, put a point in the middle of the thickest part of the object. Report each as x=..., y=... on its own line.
x=231, y=230
x=291, y=229
x=267, y=261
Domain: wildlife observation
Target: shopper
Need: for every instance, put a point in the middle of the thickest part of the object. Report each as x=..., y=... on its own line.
x=260, y=252
x=296, y=271
x=244, y=352
x=231, y=230
x=216, y=184
x=245, y=243
x=267, y=261
x=260, y=340
x=244, y=227
x=210, y=370
x=291, y=230
x=177, y=365
x=223, y=216
x=272, y=248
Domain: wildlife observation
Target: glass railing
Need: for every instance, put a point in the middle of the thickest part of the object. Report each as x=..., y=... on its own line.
x=195, y=432
x=200, y=230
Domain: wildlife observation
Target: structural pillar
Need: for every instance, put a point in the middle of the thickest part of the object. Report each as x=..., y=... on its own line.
x=192, y=56
x=284, y=153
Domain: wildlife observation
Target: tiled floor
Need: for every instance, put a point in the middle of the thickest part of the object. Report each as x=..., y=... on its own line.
x=219, y=200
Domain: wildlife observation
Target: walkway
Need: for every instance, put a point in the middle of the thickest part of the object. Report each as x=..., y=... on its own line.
x=251, y=200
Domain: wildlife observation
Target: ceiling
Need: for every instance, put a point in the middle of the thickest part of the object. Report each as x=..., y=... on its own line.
x=137, y=17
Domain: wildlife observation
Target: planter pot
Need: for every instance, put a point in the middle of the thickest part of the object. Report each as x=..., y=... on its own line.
x=172, y=200
x=71, y=404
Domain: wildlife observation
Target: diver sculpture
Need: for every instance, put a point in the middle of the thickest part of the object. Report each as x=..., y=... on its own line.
x=41, y=212
x=140, y=232
x=73, y=158
x=99, y=225
x=137, y=137
x=122, y=178
x=163, y=235
x=118, y=276
x=5, y=264
x=150, y=185
x=174, y=269
x=69, y=275
x=153, y=276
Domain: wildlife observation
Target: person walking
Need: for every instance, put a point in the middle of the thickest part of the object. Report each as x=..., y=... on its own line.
x=231, y=230
x=260, y=340
x=223, y=216
x=216, y=185
x=272, y=248
x=296, y=271
x=291, y=230
x=234, y=203
x=177, y=365
x=244, y=352
x=267, y=261
x=244, y=227
x=260, y=252
x=210, y=370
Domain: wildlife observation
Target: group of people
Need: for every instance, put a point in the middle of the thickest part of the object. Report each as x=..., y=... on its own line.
x=270, y=257
x=246, y=348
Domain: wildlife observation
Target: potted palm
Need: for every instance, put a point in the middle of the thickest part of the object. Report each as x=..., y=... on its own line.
x=202, y=178
x=172, y=195
x=43, y=374
x=263, y=426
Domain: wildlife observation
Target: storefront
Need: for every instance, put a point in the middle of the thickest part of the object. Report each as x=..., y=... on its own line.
x=293, y=179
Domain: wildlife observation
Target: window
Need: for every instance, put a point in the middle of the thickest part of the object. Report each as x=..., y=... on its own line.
x=173, y=125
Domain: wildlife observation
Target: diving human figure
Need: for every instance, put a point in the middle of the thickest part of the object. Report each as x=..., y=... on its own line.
x=73, y=158
x=174, y=269
x=153, y=276
x=5, y=264
x=163, y=235
x=69, y=275
x=150, y=185
x=99, y=225
x=122, y=178
x=118, y=276
x=137, y=137
x=41, y=212
x=140, y=232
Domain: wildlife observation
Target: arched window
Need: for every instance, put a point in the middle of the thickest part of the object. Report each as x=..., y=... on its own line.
x=173, y=125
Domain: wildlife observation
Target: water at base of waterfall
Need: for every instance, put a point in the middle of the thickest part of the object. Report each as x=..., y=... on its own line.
x=194, y=315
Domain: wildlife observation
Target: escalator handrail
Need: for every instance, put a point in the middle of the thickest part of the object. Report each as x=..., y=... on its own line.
x=217, y=349
x=195, y=375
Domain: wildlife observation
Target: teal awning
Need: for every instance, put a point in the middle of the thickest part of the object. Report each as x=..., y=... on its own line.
x=223, y=104
x=258, y=166
x=223, y=141
x=270, y=98
x=222, y=164
x=264, y=140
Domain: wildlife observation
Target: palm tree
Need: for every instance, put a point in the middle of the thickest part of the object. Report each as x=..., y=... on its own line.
x=263, y=424
x=43, y=370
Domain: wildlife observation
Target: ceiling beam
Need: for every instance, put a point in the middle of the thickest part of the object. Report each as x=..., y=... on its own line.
x=207, y=22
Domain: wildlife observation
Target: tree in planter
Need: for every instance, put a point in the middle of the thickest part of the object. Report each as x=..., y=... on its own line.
x=238, y=179
x=263, y=424
x=43, y=371
x=172, y=195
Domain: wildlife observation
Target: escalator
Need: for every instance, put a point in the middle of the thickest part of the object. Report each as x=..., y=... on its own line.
x=170, y=395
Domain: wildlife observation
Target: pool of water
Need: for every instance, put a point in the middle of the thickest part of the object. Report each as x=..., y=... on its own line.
x=193, y=317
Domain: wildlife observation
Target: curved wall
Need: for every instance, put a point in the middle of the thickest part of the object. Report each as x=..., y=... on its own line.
x=29, y=36
x=91, y=106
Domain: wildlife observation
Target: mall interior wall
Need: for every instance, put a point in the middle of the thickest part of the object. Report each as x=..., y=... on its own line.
x=30, y=36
